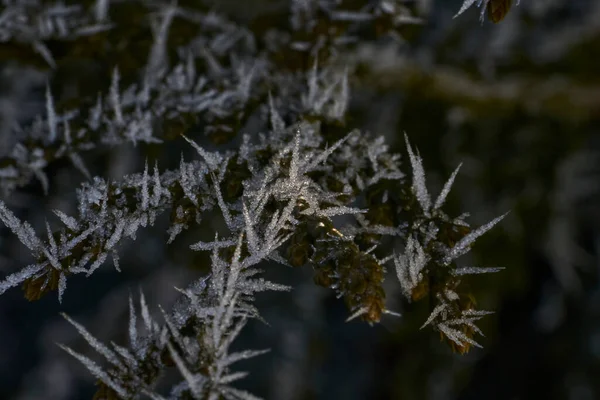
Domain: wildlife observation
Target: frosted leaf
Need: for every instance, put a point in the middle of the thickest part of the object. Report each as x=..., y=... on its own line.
x=97, y=263
x=95, y=343
x=115, y=99
x=232, y=377
x=250, y=234
x=96, y=112
x=460, y=220
x=462, y=246
x=145, y=312
x=451, y=295
x=409, y=266
x=277, y=123
x=475, y=270
x=116, y=235
x=51, y=114
x=42, y=177
x=9, y=172
x=79, y=238
x=341, y=210
x=172, y=328
x=79, y=267
x=195, y=381
x=97, y=372
x=262, y=285
x=483, y=4
x=419, y=186
x=51, y=242
x=358, y=313
x=157, y=59
x=185, y=180
x=157, y=189
x=173, y=231
x=295, y=163
x=133, y=336
x=327, y=152
x=199, y=246
x=279, y=259
x=329, y=98
x=78, y=163
x=245, y=77
x=19, y=277
x=467, y=4
x=392, y=313
x=133, y=225
x=101, y=10
x=213, y=160
x=190, y=69
x=478, y=313
x=66, y=132
x=62, y=286
x=351, y=16
x=457, y=336
x=224, y=314
x=153, y=395
x=41, y=48
x=115, y=258
x=92, y=30
x=236, y=394
x=440, y=308
x=465, y=321
x=23, y=230
x=125, y=354
x=340, y=103
x=313, y=86
x=439, y=202
x=145, y=191
x=241, y=355
x=224, y=209
x=361, y=186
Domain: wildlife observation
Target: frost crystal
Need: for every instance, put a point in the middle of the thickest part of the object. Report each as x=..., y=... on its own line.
x=409, y=266
x=419, y=185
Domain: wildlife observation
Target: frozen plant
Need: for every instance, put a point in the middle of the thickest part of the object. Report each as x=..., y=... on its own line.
x=279, y=193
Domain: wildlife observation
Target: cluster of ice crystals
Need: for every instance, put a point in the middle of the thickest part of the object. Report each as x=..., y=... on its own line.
x=409, y=266
x=35, y=21
x=424, y=231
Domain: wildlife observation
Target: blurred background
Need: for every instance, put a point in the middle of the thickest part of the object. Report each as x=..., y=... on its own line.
x=518, y=103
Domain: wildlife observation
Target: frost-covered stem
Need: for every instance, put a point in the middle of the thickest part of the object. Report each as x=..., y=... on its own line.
x=110, y=212
x=554, y=98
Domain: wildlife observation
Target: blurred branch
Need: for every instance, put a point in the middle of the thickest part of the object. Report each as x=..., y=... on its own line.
x=556, y=97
